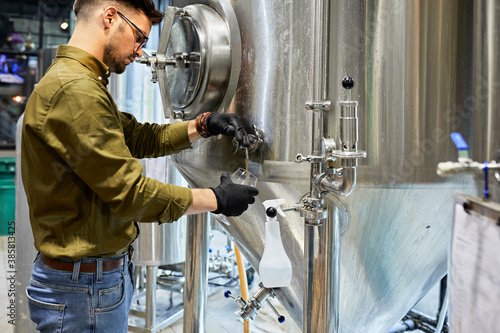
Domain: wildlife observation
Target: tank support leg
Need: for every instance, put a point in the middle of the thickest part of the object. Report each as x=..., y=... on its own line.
x=196, y=274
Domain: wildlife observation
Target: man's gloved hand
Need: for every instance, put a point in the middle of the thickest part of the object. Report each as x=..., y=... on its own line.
x=233, y=199
x=228, y=124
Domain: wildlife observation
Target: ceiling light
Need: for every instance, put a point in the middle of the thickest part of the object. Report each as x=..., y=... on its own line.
x=64, y=25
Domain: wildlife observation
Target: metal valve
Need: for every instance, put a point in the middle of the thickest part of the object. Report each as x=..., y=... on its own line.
x=249, y=310
x=257, y=140
x=239, y=300
x=467, y=165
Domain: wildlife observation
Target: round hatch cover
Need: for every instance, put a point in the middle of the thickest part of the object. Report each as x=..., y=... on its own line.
x=203, y=45
x=184, y=81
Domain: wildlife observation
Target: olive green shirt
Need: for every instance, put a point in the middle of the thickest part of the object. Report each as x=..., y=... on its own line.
x=84, y=184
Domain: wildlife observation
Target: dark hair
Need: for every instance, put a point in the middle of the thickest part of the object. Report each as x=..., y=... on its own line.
x=146, y=6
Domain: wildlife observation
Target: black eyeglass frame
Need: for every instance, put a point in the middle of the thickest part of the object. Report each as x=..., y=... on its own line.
x=146, y=38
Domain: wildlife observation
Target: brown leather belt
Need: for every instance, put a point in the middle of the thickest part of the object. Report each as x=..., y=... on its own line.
x=85, y=267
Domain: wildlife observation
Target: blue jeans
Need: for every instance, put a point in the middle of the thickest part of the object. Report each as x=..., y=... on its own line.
x=79, y=302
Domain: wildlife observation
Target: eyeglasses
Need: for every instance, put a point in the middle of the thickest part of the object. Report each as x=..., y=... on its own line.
x=138, y=40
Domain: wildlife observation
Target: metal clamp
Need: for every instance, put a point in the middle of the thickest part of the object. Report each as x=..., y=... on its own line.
x=318, y=105
x=313, y=159
x=313, y=210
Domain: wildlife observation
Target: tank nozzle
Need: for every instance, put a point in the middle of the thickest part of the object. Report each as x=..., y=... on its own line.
x=257, y=141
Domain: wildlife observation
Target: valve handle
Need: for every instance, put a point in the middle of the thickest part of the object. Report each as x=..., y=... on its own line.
x=486, y=193
x=227, y=294
x=348, y=82
x=461, y=144
x=459, y=141
x=281, y=318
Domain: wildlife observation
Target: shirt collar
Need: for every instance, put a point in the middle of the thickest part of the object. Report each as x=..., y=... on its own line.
x=100, y=69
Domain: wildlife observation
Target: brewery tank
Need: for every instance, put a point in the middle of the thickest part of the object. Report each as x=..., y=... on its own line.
x=412, y=69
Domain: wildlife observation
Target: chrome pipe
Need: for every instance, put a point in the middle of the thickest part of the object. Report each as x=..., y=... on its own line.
x=151, y=296
x=321, y=296
x=342, y=188
x=320, y=88
x=317, y=298
x=320, y=75
x=313, y=279
x=334, y=266
x=196, y=274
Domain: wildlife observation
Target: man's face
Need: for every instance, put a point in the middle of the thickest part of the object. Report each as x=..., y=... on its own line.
x=121, y=50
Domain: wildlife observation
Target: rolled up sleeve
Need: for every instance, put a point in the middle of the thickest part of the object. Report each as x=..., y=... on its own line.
x=147, y=140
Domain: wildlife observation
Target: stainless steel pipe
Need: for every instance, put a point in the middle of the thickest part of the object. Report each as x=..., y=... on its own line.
x=151, y=272
x=321, y=296
x=318, y=293
x=342, y=188
x=320, y=65
x=196, y=274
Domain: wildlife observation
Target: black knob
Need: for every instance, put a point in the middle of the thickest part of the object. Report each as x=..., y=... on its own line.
x=348, y=82
x=271, y=212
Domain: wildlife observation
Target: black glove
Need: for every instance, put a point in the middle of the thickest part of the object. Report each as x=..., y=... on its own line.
x=233, y=199
x=228, y=124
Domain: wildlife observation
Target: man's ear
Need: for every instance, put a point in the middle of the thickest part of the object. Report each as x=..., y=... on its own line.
x=109, y=16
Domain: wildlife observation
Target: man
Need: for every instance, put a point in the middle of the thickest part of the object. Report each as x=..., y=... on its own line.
x=83, y=183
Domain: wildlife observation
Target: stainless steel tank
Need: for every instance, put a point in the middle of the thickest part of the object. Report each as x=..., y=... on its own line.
x=412, y=66
x=161, y=244
x=485, y=99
